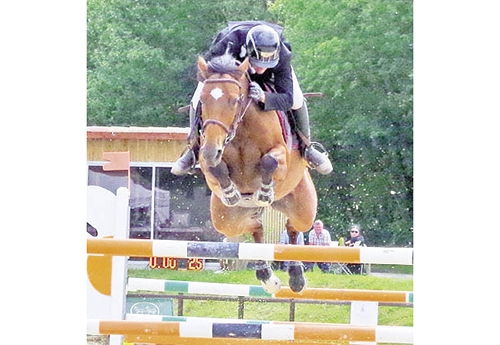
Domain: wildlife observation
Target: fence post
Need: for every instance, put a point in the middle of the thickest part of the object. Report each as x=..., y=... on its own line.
x=292, y=310
x=366, y=314
x=180, y=305
x=241, y=307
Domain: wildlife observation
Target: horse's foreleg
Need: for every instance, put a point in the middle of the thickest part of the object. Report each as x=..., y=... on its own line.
x=297, y=280
x=264, y=196
x=230, y=194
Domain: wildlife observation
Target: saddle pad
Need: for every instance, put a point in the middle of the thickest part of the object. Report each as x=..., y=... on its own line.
x=290, y=138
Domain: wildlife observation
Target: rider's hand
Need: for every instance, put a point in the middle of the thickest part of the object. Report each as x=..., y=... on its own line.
x=256, y=92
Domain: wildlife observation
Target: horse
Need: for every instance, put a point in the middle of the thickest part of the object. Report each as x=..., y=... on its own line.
x=248, y=165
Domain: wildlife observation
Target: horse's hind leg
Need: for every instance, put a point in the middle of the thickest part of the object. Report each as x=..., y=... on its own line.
x=297, y=280
x=236, y=221
x=300, y=209
x=263, y=270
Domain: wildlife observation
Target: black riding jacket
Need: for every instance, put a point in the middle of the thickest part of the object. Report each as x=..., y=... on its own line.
x=280, y=76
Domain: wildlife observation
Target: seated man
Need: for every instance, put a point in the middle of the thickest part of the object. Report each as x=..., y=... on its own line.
x=319, y=236
x=270, y=60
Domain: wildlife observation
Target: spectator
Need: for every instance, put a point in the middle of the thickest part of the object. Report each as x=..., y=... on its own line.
x=355, y=240
x=284, y=239
x=319, y=236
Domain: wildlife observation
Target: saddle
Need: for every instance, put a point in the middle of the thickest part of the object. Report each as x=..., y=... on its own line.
x=286, y=121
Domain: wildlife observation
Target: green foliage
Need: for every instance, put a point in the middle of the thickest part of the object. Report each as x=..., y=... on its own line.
x=141, y=56
x=358, y=53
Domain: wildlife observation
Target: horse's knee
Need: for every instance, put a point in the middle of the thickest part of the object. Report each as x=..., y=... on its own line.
x=268, y=164
x=220, y=171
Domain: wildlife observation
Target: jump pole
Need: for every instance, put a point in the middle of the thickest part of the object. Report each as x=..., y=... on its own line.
x=266, y=331
x=248, y=251
x=221, y=289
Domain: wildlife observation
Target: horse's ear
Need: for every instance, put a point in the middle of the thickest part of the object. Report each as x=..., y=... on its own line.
x=202, y=65
x=244, y=65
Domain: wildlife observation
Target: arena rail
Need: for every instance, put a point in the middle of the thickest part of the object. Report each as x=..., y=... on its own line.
x=221, y=289
x=271, y=332
x=248, y=251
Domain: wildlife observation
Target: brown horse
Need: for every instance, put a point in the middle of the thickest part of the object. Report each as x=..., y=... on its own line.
x=248, y=165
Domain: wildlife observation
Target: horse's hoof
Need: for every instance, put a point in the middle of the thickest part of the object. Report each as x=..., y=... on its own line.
x=232, y=201
x=263, y=199
x=297, y=284
x=269, y=281
x=231, y=196
x=263, y=203
x=272, y=285
x=263, y=271
x=297, y=280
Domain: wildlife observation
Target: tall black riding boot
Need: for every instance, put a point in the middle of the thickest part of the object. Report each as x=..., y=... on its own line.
x=317, y=160
x=187, y=161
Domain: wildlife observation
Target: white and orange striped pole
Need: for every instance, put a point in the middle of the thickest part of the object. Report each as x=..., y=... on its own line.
x=266, y=331
x=248, y=251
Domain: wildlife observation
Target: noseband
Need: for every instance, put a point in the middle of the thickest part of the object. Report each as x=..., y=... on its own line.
x=231, y=130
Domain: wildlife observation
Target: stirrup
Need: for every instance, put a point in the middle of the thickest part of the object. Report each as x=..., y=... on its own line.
x=177, y=169
x=324, y=167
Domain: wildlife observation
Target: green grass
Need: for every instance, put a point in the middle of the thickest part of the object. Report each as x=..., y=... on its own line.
x=398, y=269
x=391, y=316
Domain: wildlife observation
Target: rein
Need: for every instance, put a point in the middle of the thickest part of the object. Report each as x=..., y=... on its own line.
x=231, y=130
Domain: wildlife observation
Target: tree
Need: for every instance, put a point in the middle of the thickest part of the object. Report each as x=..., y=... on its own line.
x=141, y=56
x=358, y=53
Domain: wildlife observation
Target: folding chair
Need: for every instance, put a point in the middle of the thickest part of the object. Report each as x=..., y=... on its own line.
x=348, y=268
x=340, y=268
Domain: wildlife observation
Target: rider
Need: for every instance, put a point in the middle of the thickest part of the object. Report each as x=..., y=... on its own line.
x=270, y=59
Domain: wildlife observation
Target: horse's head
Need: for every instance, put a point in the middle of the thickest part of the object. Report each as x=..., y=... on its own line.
x=223, y=101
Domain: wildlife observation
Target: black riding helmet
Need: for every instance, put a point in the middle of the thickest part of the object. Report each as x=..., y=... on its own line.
x=263, y=46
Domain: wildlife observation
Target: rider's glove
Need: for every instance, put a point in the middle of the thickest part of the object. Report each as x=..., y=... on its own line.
x=256, y=92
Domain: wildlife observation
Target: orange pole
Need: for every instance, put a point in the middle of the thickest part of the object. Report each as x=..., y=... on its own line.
x=344, y=295
x=139, y=327
x=311, y=331
x=126, y=247
x=166, y=340
x=316, y=253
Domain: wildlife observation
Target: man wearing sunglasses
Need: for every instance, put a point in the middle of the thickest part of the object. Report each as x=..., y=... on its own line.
x=356, y=240
x=270, y=60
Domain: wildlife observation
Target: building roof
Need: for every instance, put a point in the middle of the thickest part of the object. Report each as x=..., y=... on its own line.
x=137, y=133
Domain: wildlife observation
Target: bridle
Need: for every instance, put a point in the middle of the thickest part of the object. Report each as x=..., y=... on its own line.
x=243, y=107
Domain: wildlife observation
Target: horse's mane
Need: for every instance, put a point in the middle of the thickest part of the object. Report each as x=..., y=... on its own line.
x=224, y=64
